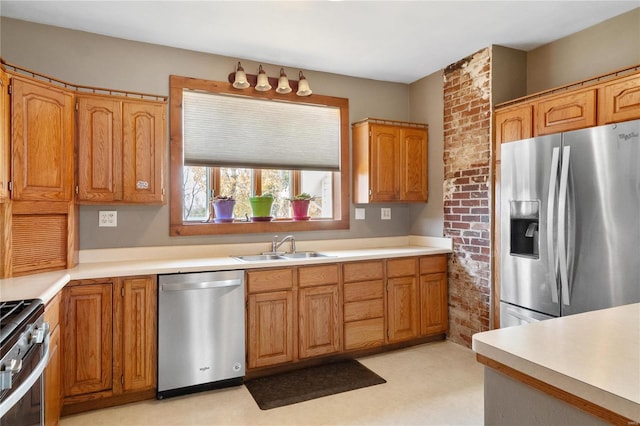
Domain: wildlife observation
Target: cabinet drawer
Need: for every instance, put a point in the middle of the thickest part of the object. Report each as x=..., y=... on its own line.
x=364, y=334
x=366, y=309
x=269, y=280
x=432, y=264
x=317, y=275
x=401, y=267
x=364, y=290
x=362, y=271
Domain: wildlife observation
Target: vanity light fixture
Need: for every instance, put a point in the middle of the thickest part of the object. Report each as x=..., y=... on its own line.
x=240, y=81
x=263, y=83
x=283, y=83
x=303, y=86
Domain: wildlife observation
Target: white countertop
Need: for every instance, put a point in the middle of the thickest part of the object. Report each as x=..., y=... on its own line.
x=175, y=259
x=594, y=355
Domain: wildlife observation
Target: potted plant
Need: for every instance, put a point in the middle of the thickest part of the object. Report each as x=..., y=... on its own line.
x=300, y=206
x=223, y=208
x=261, y=207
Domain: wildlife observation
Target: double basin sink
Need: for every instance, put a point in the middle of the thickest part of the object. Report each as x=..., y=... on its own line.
x=281, y=256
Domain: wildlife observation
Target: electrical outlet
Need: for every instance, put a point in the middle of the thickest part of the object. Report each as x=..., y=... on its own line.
x=108, y=218
x=385, y=213
x=359, y=214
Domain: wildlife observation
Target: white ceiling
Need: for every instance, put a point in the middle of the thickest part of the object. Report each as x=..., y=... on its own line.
x=398, y=41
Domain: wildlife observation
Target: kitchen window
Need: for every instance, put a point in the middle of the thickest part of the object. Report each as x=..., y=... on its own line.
x=240, y=143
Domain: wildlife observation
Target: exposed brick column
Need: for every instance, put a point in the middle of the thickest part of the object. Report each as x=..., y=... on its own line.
x=467, y=150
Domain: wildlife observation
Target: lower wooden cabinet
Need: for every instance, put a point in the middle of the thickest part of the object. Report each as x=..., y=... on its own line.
x=109, y=341
x=270, y=329
x=299, y=313
x=53, y=372
x=270, y=317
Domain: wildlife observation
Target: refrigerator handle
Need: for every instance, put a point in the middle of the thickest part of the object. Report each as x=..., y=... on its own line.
x=562, y=232
x=551, y=220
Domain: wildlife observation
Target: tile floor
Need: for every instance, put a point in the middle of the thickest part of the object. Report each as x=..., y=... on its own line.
x=437, y=383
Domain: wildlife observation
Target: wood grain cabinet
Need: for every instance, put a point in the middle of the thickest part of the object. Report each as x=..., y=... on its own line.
x=109, y=341
x=270, y=325
x=53, y=372
x=403, y=315
x=568, y=111
x=389, y=161
x=363, y=304
x=619, y=100
x=121, y=149
x=514, y=124
x=319, y=311
x=42, y=141
x=434, y=317
x=5, y=136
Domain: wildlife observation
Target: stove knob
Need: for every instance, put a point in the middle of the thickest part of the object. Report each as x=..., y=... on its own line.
x=41, y=332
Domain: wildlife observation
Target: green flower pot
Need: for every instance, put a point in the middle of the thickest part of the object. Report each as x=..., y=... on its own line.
x=261, y=206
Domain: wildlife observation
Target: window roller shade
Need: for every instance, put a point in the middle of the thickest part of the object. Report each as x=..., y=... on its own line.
x=227, y=130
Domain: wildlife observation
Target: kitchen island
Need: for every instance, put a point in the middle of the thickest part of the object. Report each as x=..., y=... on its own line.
x=580, y=369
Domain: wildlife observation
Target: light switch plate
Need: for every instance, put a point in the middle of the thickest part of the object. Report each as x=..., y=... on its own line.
x=108, y=218
x=385, y=213
x=359, y=214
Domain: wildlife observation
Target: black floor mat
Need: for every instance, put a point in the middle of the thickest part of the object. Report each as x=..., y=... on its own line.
x=309, y=383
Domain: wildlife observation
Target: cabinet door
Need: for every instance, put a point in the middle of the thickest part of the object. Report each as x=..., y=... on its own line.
x=385, y=161
x=5, y=137
x=138, y=332
x=566, y=112
x=514, y=124
x=619, y=100
x=53, y=372
x=143, y=151
x=402, y=305
x=433, y=304
x=87, y=338
x=270, y=339
x=320, y=321
x=413, y=165
x=42, y=130
x=99, y=149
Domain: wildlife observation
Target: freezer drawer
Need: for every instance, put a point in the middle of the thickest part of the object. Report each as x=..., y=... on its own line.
x=511, y=315
x=201, y=331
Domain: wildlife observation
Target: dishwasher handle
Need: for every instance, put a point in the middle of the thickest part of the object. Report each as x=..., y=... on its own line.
x=202, y=285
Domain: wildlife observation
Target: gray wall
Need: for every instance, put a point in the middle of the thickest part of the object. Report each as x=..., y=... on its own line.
x=93, y=60
x=608, y=46
x=426, y=105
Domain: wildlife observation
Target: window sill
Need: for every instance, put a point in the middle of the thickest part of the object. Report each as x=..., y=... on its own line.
x=243, y=227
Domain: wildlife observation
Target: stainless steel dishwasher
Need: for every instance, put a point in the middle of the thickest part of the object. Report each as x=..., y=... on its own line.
x=201, y=340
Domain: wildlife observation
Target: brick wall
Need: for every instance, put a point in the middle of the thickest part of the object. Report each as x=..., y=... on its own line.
x=467, y=149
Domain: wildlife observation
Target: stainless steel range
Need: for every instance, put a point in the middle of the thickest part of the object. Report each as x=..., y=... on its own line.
x=24, y=353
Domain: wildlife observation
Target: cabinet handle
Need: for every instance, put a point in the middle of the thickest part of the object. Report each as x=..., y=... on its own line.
x=142, y=184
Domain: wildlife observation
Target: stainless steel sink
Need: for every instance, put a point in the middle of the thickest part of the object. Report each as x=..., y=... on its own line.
x=304, y=255
x=259, y=257
x=281, y=256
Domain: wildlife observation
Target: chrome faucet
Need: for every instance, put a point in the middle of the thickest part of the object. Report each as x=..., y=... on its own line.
x=275, y=244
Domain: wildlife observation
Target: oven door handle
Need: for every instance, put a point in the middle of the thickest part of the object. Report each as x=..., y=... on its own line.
x=24, y=387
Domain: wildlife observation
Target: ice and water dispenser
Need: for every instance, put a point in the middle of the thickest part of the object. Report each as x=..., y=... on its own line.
x=524, y=217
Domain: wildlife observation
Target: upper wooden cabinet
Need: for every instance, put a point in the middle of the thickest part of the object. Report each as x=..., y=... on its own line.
x=389, y=161
x=611, y=101
x=568, y=111
x=42, y=138
x=514, y=124
x=5, y=137
x=619, y=100
x=121, y=150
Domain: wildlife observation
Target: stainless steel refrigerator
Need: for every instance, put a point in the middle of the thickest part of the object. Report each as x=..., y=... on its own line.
x=570, y=223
